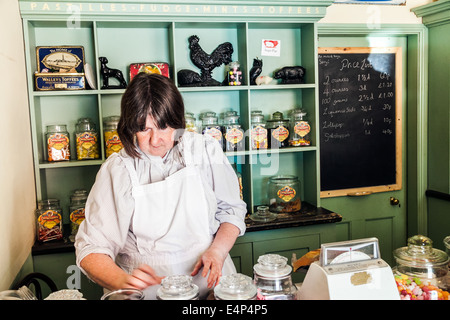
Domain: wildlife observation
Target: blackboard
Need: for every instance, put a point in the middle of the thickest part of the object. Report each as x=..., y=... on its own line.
x=360, y=120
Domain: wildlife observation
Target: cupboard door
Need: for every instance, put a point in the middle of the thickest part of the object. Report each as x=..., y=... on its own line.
x=242, y=257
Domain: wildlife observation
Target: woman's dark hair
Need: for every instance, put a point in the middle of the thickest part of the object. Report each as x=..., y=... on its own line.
x=149, y=94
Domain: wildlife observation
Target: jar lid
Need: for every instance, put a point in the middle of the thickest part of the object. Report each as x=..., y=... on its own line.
x=85, y=124
x=48, y=202
x=300, y=113
x=57, y=128
x=231, y=119
x=272, y=265
x=79, y=195
x=263, y=214
x=207, y=114
x=234, y=64
x=189, y=115
x=420, y=253
x=278, y=117
x=23, y=293
x=177, y=287
x=283, y=179
x=209, y=120
x=124, y=294
x=257, y=116
x=112, y=120
x=447, y=243
x=235, y=286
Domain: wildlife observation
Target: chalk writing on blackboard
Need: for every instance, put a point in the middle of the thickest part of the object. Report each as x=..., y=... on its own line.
x=360, y=120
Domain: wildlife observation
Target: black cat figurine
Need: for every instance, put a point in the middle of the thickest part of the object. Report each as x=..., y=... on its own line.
x=256, y=70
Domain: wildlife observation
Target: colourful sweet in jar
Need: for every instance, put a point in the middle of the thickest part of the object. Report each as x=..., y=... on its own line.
x=417, y=289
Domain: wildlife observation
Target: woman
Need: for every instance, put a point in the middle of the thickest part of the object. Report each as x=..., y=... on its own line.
x=168, y=203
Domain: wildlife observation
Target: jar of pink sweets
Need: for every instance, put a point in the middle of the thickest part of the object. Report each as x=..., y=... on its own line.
x=421, y=270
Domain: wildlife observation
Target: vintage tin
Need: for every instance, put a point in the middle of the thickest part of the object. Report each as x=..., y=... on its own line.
x=149, y=67
x=59, y=81
x=60, y=68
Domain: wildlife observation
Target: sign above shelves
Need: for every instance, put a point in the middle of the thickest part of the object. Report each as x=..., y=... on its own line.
x=309, y=10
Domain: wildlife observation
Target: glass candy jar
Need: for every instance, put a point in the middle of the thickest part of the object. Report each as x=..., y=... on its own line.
x=278, y=131
x=58, y=148
x=284, y=194
x=191, y=125
x=233, y=133
x=112, y=140
x=211, y=127
x=273, y=280
x=235, y=287
x=86, y=138
x=300, y=129
x=234, y=74
x=49, y=220
x=76, y=209
x=258, y=131
x=178, y=287
x=421, y=270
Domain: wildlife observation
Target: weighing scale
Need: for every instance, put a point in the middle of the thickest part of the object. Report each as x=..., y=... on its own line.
x=349, y=270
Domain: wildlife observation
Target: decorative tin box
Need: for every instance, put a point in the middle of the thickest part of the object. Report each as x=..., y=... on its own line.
x=60, y=68
x=149, y=67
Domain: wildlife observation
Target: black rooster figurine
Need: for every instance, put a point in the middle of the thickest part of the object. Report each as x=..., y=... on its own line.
x=205, y=62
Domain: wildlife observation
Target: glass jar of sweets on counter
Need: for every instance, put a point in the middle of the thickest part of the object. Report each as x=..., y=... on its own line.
x=178, y=287
x=112, y=140
x=300, y=129
x=258, y=131
x=421, y=270
x=86, y=138
x=49, y=220
x=284, y=194
x=273, y=280
x=58, y=147
x=278, y=131
x=233, y=133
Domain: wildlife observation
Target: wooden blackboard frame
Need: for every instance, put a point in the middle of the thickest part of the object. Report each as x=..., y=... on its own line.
x=366, y=190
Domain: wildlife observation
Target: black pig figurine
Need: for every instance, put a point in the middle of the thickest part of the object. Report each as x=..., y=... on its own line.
x=290, y=75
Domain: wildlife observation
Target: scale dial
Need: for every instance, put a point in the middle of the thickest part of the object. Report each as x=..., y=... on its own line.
x=350, y=256
x=349, y=251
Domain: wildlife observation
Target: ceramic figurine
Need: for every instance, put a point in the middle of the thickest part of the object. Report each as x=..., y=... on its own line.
x=256, y=70
x=188, y=78
x=107, y=73
x=290, y=75
x=263, y=80
x=207, y=62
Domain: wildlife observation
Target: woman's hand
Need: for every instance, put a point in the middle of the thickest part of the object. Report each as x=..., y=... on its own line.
x=211, y=261
x=142, y=277
x=104, y=271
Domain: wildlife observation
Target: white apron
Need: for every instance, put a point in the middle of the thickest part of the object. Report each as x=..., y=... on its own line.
x=174, y=233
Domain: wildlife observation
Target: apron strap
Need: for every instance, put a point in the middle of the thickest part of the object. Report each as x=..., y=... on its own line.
x=132, y=171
